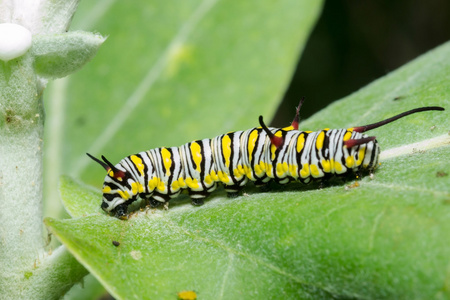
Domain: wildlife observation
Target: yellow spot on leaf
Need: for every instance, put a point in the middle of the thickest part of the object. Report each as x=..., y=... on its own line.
x=187, y=295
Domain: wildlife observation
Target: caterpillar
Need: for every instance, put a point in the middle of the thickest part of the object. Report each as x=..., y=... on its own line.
x=258, y=154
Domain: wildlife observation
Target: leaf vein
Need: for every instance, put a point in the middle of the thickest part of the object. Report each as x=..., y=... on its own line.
x=374, y=228
x=225, y=275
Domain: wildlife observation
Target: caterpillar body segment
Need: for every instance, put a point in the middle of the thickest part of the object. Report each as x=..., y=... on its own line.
x=229, y=161
x=258, y=154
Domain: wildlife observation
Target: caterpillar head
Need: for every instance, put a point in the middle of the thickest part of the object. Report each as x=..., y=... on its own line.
x=118, y=188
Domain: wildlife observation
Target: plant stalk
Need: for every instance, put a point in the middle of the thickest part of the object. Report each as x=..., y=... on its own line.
x=21, y=173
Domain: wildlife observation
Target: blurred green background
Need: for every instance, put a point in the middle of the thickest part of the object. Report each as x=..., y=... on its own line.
x=356, y=42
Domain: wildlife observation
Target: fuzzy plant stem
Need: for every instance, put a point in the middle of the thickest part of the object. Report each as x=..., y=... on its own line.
x=35, y=46
x=21, y=145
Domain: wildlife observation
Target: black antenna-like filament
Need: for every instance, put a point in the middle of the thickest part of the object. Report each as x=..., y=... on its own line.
x=107, y=168
x=275, y=140
x=392, y=119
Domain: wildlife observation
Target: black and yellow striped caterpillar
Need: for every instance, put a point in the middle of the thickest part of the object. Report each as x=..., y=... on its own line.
x=258, y=154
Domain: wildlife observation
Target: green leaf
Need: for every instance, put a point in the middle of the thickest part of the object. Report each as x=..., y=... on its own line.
x=386, y=238
x=171, y=72
x=57, y=15
x=59, y=55
x=78, y=199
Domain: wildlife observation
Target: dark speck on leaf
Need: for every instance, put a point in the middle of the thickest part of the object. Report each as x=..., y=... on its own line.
x=441, y=174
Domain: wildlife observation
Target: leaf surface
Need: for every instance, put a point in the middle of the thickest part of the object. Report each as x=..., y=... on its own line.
x=386, y=238
x=59, y=55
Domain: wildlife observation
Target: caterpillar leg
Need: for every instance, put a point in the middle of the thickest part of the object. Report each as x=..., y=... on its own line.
x=197, y=198
x=166, y=205
x=121, y=211
x=154, y=203
x=264, y=188
x=263, y=184
x=233, y=194
x=233, y=191
x=283, y=181
x=197, y=201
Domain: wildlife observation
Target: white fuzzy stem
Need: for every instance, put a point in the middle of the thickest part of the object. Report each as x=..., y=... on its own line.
x=31, y=53
x=21, y=183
